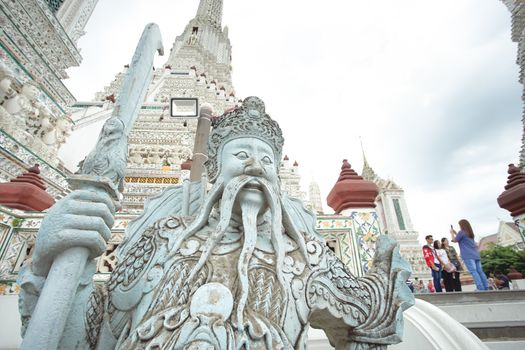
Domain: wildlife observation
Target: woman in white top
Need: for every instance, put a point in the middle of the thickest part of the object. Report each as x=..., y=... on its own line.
x=448, y=267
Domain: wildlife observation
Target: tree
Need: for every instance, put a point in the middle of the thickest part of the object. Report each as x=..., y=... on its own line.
x=499, y=258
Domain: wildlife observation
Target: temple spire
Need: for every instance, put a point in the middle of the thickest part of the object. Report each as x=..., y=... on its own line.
x=367, y=173
x=370, y=175
x=211, y=11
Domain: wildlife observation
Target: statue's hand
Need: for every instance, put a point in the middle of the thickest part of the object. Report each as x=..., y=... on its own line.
x=81, y=219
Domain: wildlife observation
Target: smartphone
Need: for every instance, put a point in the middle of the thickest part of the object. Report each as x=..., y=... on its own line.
x=451, y=227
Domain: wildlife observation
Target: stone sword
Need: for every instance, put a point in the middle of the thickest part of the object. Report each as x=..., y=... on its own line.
x=102, y=170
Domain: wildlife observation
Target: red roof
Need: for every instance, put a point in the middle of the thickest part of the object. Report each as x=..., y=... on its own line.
x=351, y=191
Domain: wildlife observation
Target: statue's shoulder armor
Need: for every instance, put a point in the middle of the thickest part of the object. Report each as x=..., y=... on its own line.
x=140, y=268
x=174, y=201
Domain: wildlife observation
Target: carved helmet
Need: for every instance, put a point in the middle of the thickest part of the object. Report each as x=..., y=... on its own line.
x=248, y=120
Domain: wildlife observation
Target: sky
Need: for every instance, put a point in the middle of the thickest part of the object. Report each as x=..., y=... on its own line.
x=430, y=87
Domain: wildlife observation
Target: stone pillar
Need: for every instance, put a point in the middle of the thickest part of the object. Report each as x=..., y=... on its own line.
x=200, y=149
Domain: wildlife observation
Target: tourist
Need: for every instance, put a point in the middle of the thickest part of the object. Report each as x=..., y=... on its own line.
x=454, y=259
x=430, y=287
x=432, y=262
x=420, y=288
x=446, y=265
x=502, y=281
x=470, y=253
x=492, y=282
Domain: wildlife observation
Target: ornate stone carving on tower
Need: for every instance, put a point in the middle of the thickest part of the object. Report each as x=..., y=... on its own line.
x=73, y=15
x=395, y=220
x=517, y=10
x=513, y=197
x=205, y=45
x=35, y=52
x=314, y=198
x=352, y=232
x=291, y=179
x=242, y=268
x=199, y=66
x=210, y=11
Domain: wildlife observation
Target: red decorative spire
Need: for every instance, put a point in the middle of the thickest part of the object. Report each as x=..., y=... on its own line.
x=26, y=192
x=352, y=191
x=295, y=163
x=513, y=198
x=111, y=98
x=286, y=157
x=516, y=177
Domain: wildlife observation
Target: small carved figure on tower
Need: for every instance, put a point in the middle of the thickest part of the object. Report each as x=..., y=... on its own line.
x=193, y=36
x=47, y=131
x=136, y=157
x=6, y=89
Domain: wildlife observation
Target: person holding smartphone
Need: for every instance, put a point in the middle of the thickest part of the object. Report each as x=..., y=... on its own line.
x=470, y=253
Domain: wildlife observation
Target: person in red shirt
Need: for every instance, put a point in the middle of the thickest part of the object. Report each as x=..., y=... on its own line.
x=430, y=287
x=432, y=262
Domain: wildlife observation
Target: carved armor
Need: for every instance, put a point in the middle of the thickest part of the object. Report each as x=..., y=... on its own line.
x=149, y=299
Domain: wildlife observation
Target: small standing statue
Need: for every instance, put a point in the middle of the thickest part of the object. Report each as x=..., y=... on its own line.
x=246, y=271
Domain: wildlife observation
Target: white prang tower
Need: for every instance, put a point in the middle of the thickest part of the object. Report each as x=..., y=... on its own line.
x=198, y=66
x=394, y=220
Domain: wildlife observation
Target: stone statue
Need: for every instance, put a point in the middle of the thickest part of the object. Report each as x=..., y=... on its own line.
x=25, y=108
x=6, y=83
x=170, y=158
x=63, y=131
x=192, y=39
x=24, y=101
x=246, y=269
x=6, y=89
x=153, y=157
x=48, y=129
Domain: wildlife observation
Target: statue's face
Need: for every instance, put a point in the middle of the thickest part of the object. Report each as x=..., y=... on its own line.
x=249, y=156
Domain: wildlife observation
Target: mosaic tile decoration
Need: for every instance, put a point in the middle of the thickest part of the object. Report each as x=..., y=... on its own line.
x=356, y=234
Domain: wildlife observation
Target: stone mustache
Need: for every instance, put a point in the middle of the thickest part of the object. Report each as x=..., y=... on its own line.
x=245, y=270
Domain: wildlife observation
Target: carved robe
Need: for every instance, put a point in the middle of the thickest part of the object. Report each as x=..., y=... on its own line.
x=147, y=303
